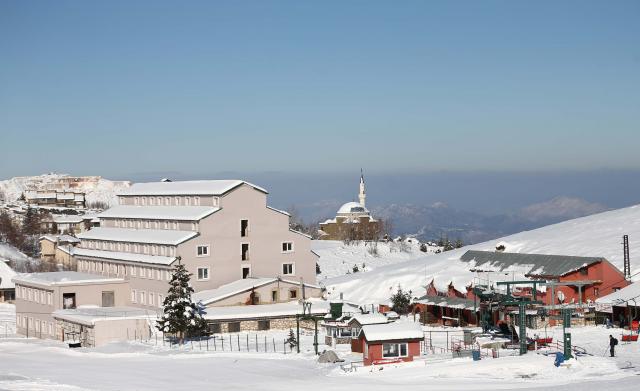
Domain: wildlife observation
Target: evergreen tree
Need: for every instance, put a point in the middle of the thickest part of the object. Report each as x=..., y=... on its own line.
x=182, y=316
x=291, y=339
x=459, y=243
x=401, y=301
x=31, y=222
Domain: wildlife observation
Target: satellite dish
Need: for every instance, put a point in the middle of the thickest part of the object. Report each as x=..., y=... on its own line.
x=561, y=296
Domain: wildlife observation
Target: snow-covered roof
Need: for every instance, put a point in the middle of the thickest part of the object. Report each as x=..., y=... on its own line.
x=352, y=207
x=153, y=236
x=447, y=302
x=90, y=315
x=236, y=287
x=318, y=307
x=187, y=213
x=63, y=278
x=365, y=319
x=621, y=297
x=208, y=187
x=124, y=256
x=540, y=264
x=6, y=276
x=392, y=331
x=59, y=219
x=278, y=210
x=60, y=238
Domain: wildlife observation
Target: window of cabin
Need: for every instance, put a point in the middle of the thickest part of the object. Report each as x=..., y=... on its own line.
x=233, y=327
x=288, y=269
x=214, y=328
x=393, y=350
x=203, y=273
x=108, y=299
x=287, y=247
x=274, y=296
x=293, y=294
x=68, y=301
x=264, y=325
x=244, y=228
x=202, y=251
x=245, y=251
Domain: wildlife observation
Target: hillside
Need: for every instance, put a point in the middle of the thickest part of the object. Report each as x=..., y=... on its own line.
x=96, y=189
x=595, y=235
x=338, y=259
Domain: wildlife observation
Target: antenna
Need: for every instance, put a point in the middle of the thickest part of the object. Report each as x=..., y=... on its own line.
x=627, y=261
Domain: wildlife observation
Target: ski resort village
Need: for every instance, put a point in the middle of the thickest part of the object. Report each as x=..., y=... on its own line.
x=205, y=279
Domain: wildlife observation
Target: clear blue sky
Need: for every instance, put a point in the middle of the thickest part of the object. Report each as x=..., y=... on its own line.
x=120, y=87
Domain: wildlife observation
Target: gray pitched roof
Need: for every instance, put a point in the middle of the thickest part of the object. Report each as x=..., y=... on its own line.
x=541, y=265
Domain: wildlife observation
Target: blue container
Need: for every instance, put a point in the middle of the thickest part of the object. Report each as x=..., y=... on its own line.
x=476, y=355
x=559, y=359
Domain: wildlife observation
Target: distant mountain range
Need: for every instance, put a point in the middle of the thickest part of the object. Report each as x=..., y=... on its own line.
x=436, y=220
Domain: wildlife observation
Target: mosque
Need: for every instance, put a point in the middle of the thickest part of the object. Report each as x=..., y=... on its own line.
x=352, y=222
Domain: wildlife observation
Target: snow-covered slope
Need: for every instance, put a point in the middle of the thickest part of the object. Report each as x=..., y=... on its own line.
x=596, y=235
x=8, y=252
x=96, y=189
x=338, y=259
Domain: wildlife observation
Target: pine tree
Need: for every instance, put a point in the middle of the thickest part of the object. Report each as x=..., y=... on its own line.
x=182, y=317
x=401, y=301
x=31, y=222
x=291, y=340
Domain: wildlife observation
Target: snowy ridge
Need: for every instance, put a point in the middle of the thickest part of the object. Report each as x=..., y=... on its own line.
x=96, y=189
x=598, y=235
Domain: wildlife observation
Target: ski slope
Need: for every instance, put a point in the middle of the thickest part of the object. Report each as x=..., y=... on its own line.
x=595, y=235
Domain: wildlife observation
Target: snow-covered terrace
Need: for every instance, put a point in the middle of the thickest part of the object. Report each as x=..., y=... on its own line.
x=63, y=278
x=153, y=236
x=123, y=256
x=183, y=213
x=236, y=287
x=90, y=315
x=621, y=298
x=279, y=310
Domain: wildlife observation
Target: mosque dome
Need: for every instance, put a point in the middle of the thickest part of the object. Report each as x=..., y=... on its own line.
x=352, y=208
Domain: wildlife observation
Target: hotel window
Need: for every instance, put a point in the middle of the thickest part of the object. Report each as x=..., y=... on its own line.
x=175, y=225
x=50, y=328
x=393, y=350
x=288, y=269
x=134, y=294
x=146, y=224
x=203, y=273
x=150, y=273
x=167, y=201
x=158, y=274
x=159, y=201
x=156, y=225
x=193, y=227
x=166, y=225
x=143, y=200
x=150, y=298
x=151, y=201
x=142, y=298
x=196, y=201
x=187, y=201
x=202, y=251
x=216, y=201
x=244, y=228
x=167, y=275
x=246, y=272
x=136, y=201
x=116, y=223
x=245, y=251
x=160, y=300
x=130, y=223
x=287, y=247
x=49, y=296
x=177, y=199
x=132, y=271
x=119, y=246
x=293, y=294
x=127, y=247
x=142, y=272
x=139, y=224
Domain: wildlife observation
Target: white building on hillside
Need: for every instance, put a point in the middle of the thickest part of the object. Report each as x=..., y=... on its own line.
x=222, y=230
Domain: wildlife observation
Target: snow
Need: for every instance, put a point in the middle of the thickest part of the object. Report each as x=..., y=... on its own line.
x=63, y=219
x=123, y=256
x=348, y=208
x=90, y=315
x=152, y=236
x=364, y=319
x=207, y=187
x=96, y=189
x=236, y=287
x=62, y=278
x=392, y=331
x=621, y=297
x=318, y=307
x=6, y=274
x=593, y=236
x=11, y=253
x=186, y=213
x=337, y=258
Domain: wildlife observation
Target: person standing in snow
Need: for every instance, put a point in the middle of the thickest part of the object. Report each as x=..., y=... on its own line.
x=612, y=345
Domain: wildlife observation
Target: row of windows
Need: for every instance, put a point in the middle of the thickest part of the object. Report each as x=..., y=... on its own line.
x=154, y=224
x=35, y=325
x=150, y=249
x=34, y=295
x=150, y=299
x=124, y=270
x=169, y=201
x=288, y=269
